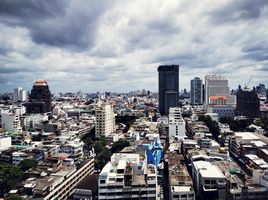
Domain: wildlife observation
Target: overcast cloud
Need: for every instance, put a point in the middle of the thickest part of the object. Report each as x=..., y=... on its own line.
x=117, y=45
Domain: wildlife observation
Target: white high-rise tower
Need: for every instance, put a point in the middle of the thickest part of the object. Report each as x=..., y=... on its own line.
x=105, y=120
x=215, y=85
x=19, y=95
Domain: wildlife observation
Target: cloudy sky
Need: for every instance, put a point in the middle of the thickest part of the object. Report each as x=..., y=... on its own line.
x=116, y=45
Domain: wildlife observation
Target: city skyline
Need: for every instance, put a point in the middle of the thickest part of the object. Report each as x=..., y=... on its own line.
x=118, y=47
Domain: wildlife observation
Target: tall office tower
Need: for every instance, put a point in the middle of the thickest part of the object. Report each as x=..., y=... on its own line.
x=105, y=120
x=168, y=87
x=196, y=91
x=215, y=86
x=19, y=95
x=40, y=98
x=247, y=103
x=266, y=95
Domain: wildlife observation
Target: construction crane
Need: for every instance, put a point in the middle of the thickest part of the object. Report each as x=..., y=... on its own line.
x=247, y=84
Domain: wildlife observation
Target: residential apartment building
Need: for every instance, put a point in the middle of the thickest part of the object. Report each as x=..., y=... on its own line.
x=10, y=121
x=129, y=177
x=74, y=148
x=180, y=182
x=105, y=120
x=209, y=180
x=57, y=183
x=19, y=95
x=176, y=123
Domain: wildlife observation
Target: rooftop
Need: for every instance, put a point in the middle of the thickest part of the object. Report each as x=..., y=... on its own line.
x=207, y=170
x=178, y=174
x=40, y=82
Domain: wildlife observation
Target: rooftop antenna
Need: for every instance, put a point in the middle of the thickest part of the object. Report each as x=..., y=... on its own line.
x=247, y=84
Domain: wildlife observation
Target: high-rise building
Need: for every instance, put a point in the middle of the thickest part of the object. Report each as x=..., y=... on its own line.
x=40, y=98
x=266, y=95
x=261, y=89
x=105, y=120
x=196, y=91
x=168, y=87
x=19, y=95
x=247, y=103
x=176, y=124
x=215, y=85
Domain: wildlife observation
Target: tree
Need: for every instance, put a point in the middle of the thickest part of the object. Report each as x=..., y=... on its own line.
x=119, y=145
x=10, y=175
x=88, y=141
x=127, y=120
x=236, y=125
x=89, y=102
x=258, y=122
x=89, y=135
x=102, y=158
x=27, y=164
x=212, y=125
x=14, y=197
x=98, y=147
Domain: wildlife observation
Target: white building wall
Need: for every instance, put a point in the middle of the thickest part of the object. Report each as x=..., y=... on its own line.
x=19, y=94
x=10, y=122
x=215, y=85
x=19, y=110
x=5, y=143
x=105, y=120
x=176, y=123
x=34, y=119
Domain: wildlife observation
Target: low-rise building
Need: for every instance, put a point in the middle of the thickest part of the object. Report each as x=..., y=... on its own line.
x=5, y=143
x=128, y=176
x=180, y=182
x=208, y=179
x=74, y=148
x=10, y=122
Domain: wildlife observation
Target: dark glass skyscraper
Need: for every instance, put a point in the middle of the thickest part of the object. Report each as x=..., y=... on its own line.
x=40, y=98
x=196, y=91
x=168, y=87
x=247, y=103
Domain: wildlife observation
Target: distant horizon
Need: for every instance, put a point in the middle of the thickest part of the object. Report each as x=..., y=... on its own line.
x=131, y=90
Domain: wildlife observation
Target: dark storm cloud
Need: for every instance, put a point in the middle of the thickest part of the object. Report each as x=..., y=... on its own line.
x=257, y=51
x=67, y=24
x=179, y=58
x=3, y=80
x=4, y=50
x=239, y=10
x=256, y=56
x=152, y=32
x=12, y=70
x=109, y=45
x=29, y=9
